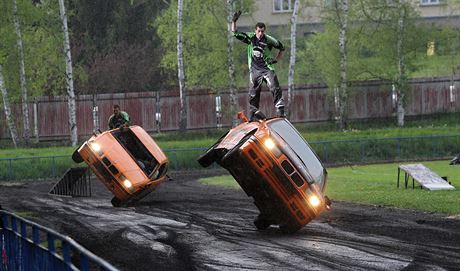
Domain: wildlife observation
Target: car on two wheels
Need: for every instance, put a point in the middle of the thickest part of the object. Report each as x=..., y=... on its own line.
x=126, y=160
x=274, y=164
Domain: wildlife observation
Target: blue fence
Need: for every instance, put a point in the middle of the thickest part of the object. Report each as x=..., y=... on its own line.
x=26, y=245
x=330, y=152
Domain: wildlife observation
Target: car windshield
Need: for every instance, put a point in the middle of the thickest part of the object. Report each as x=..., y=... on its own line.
x=137, y=150
x=297, y=146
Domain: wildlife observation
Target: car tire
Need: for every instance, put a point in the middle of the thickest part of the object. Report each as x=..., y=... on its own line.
x=116, y=202
x=261, y=223
x=228, y=156
x=210, y=156
x=76, y=157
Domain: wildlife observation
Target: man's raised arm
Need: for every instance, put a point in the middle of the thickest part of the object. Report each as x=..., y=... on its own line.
x=235, y=17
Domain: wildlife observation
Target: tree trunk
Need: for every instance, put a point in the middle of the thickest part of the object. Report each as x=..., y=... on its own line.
x=343, y=20
x=22, y=75
x=231, y=65
x=402, y=80
x=7, y=109
x=180, y=70
x=69, y=77
x=292, y=56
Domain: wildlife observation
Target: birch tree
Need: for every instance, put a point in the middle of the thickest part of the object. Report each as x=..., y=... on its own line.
x=180, y=69
x=231, y=65
x=394, y=37
x=22, y=74
x=401, y=82
x=7, y=109
x=292, y=57
x=343, y=92
x=69, y=77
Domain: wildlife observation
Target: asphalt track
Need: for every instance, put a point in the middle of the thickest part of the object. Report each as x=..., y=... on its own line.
x=188, y=226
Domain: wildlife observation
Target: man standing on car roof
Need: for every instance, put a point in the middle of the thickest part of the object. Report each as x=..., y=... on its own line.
x=118, y=118
x=260, y=65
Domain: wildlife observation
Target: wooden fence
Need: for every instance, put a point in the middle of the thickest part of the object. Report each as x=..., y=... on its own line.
x=159, y=111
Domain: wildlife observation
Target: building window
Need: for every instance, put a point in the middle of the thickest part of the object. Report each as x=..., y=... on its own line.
x=282, y=5
x=430, y=2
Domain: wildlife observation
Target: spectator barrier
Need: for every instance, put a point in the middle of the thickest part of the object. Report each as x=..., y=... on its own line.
x=26, y=245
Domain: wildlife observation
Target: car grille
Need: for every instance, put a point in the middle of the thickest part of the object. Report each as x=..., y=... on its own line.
x=108, y=177
x=275, y=172
x=103, y=171
x=291, y=190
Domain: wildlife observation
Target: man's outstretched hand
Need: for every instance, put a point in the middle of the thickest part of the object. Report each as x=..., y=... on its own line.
x=236, y=15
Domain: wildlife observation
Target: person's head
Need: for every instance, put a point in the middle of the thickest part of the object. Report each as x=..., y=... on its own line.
x=260, y=30
x=116, y=109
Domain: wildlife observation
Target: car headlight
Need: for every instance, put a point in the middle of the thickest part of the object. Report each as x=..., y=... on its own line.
x=127, y=183
x=269, y=144
x=314, y=201
x=96, y=147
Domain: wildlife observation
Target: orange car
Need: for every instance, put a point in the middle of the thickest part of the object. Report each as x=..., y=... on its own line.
x=127, y=161
x=273, y=164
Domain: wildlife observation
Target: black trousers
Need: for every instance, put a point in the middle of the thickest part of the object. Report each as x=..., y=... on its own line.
x=256, y=78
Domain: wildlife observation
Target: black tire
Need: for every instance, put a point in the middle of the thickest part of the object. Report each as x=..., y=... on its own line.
x=210, y=156
x=76, y=157
x=116, y=202
x=225, y=161
x=261, y=223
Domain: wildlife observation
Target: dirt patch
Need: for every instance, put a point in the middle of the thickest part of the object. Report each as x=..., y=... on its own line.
x=188, y=226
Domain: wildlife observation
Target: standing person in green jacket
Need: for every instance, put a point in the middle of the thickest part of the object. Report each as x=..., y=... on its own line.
x=118, y=118
x=260, y=65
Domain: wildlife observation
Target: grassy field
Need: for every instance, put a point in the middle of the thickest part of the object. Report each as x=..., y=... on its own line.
x=376, y=185
x=429, y=125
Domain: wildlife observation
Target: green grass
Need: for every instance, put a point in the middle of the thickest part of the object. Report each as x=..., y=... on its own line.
x=376, y=185
x=437, y=65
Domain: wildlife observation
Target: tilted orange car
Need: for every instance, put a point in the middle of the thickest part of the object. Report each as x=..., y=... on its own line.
x=273, y=164
x=127, y=161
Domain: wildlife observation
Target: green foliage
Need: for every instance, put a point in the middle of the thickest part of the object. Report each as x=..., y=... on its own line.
x=376, y=185
x=204, y=39
x=42, y=40
x=371, y=43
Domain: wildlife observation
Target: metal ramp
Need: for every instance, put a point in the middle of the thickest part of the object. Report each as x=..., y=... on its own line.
x=424, y=176
x=76, y=182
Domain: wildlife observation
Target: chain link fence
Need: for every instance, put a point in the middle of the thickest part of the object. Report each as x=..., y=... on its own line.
x=355, y=151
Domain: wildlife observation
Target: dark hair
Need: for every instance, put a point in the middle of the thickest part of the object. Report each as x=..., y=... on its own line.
x=116, y=106
x=260, y=25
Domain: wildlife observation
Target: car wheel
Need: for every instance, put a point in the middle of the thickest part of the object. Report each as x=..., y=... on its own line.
x=228, y=156
x=210, y=156
x=116, y=202
x=76, y=157
x=261, y=224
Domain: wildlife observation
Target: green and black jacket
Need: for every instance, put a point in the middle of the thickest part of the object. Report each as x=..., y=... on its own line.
x=259, y=51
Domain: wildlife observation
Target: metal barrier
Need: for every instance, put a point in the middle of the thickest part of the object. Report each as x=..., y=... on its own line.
x=26, y=245
x=76, y=182
x=330, y=152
